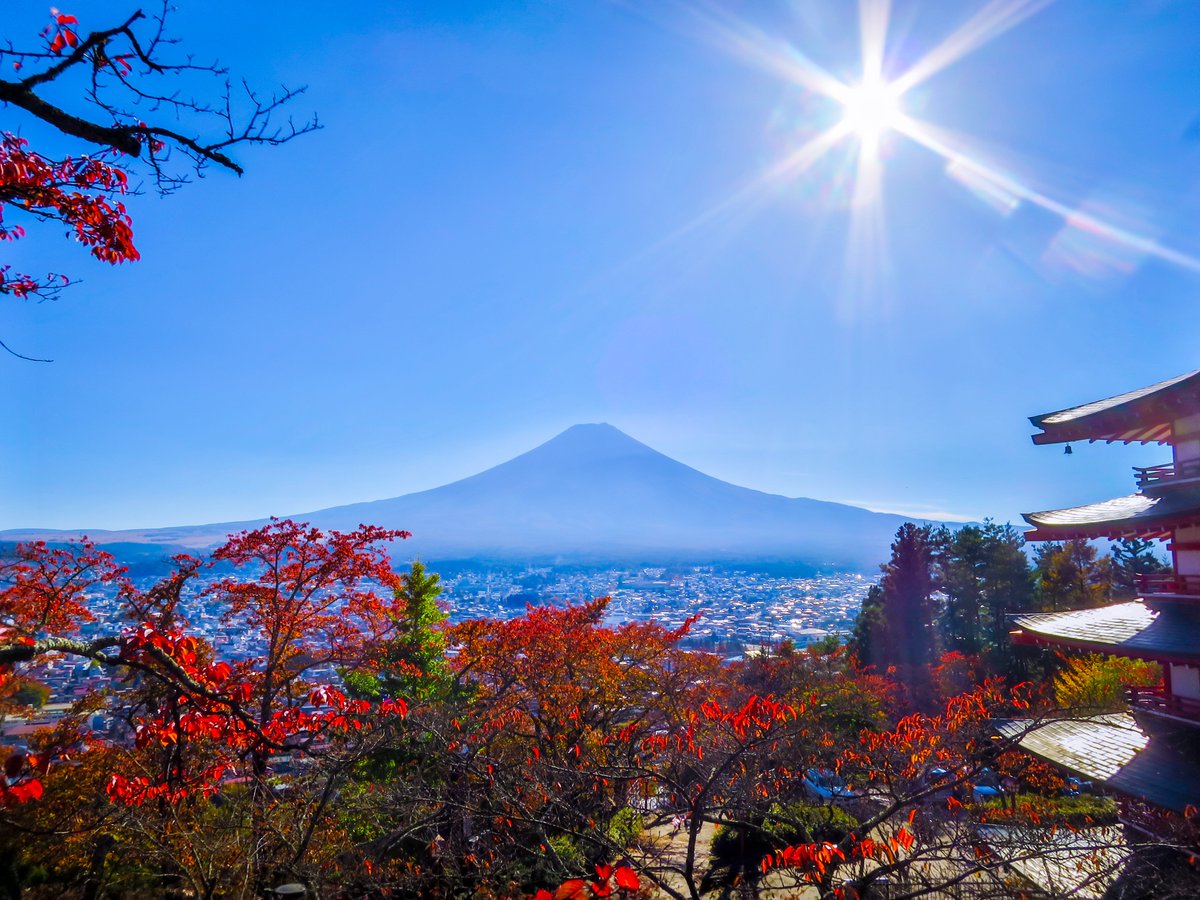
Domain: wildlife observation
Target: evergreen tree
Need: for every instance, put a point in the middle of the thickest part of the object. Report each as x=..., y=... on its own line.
x=1008, y=588
x=412, y=664
x=985, y=577
x=1132, y=557
x=1072, y=575
x=962, y=572
x=895, y=626
x=870, y=638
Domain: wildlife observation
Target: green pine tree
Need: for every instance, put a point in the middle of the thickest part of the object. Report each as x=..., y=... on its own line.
x=895, y=626
x=985, y=577
x=412, y=664
x=1132, y=557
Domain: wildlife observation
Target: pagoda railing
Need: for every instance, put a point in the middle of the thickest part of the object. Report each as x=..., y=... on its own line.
x=1154, y=476
x=1168, y=583
x=1156, y=700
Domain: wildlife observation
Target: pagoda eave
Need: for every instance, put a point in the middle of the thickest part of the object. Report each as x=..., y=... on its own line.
x=1159, y=434
x=1112, y=749
x=1103, y=531
x=1142, y=416
x=1136, y=515
x=1033, y=639
x=1131, y=629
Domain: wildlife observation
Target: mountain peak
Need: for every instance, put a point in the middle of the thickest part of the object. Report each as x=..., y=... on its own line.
x=592, y=430
x=593, y=440
x=593, y=426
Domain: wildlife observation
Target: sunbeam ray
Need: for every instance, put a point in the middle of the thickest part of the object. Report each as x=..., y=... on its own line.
x=866, y=251
x=754, y=191
x=872, y=27
x=790, y=166
x=989, y=23
x=943, y=143
x=739, y=40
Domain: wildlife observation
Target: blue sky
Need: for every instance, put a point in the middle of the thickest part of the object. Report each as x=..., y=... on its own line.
x=520, y=216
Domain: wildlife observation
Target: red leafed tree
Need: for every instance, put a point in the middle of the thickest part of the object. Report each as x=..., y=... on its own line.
x=537, y=744
x=42, y=606
x=317, y=602
x=132, y=106
x=921, y=828
x=43, y=591
x=306, y=603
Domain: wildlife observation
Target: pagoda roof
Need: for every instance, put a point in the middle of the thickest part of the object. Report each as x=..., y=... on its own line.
x=1064, y=862
x=1113, y=749
x=1125, y=629
x=1136, y=514
x=1141, y=416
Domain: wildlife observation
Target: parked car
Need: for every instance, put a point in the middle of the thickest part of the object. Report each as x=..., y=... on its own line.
x=826, y=785
x=935, y=784
x=986, y=786
x=1073, y=787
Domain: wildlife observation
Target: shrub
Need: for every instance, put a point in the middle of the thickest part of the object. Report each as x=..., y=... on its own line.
x=786, y=823
x=625, y=826
x=731, y=843
x=572, y=858
x=1077, y=812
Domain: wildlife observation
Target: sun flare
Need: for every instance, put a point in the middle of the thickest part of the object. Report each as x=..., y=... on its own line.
x=870, y=109
x=883, y=103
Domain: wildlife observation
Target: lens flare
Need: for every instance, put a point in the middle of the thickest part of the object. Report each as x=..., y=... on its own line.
x=870, y=109
x=873, y=107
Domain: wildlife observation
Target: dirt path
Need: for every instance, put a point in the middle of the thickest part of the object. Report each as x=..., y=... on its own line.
x=660, y=846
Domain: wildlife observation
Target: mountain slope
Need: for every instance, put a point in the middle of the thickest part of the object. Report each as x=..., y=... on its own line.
x=593, y=493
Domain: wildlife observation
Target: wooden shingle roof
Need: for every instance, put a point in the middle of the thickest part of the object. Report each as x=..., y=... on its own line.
x=1112, y=749
x=1140, y=515
x=1124, y=629
x=1063, y=862
x=1097, y=747
x=1141, y=416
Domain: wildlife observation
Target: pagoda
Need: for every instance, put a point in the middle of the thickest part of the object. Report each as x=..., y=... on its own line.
x=1150, y=753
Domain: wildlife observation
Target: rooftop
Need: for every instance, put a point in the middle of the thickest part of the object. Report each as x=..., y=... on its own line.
x=1111, y=748
x=1071, y=863
x=1136, y=514
x=1127, y=629
x=1141, y=416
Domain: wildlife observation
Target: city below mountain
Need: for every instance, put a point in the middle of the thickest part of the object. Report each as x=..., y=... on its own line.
x=590, y=495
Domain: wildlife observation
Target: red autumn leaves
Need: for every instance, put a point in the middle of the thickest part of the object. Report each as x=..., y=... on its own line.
x=63, y=35
x=312, y=600
x=18, y=782
x=624, y=878
x=77, y=191
x=560, y=722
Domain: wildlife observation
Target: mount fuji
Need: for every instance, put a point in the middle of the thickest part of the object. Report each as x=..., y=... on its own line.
x=591, y=494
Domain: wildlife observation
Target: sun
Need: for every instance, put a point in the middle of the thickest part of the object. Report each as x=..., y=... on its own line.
x=881, y=104
x=870, y=110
